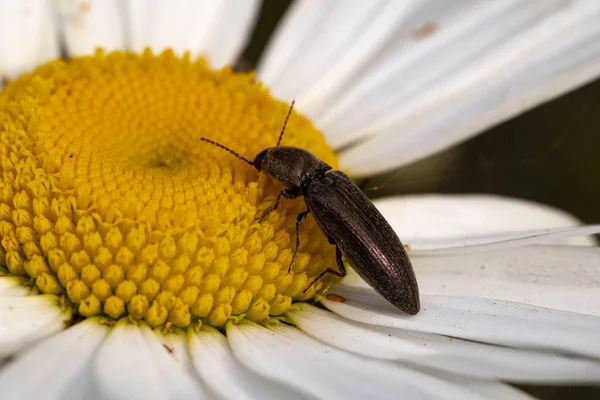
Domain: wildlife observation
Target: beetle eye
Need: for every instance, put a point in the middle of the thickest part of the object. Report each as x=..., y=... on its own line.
x=259, y=159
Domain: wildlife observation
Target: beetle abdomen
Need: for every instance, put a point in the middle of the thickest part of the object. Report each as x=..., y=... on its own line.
x=369, y=243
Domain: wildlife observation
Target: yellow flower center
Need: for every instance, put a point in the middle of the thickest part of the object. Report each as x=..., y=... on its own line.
x=110, y=199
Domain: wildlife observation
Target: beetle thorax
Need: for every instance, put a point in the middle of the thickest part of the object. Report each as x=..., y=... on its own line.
x=290, y=165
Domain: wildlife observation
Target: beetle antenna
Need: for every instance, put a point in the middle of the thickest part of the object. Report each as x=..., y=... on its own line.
x=286, y=121
x=227, y=149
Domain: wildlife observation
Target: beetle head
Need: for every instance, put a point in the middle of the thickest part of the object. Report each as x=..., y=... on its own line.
x=258, y=160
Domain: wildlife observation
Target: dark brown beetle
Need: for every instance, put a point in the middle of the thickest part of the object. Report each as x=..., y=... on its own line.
x=347, y=218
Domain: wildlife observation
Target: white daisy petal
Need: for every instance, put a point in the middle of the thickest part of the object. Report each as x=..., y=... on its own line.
x=524, y=56
x=485, y=243
x=494, y=390
x=162, y=24
x=432, y=50
x=423, y=217
x=406, y=79
x=24, y=320
x=483, y=320
x=217, y=29
x=14, y=286
x=133, y=364
x=417, y=54
x=334, y=38
x=287, y=355
x=88, y=24
x=229, y=32
x=559, y=277
x=64, y=359
x=218, y=367
x=124, y=367
x=29, y=36
x=171, y=354
x=175, y=343
x=439, y=352
x=84, y=386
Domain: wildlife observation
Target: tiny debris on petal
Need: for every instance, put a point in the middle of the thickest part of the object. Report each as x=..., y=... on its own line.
x=335, y=297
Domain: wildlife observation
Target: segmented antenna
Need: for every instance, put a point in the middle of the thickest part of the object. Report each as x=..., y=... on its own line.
x=286, y=121
x=219, y=145
x=227, y=149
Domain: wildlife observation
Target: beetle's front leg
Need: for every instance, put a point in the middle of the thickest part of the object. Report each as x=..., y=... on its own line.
x=287, y=193
x=299, y=220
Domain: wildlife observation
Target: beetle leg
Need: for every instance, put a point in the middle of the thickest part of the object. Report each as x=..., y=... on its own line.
x=340, y=263
x=341, y=273
x=287, y=193
x=299, y=220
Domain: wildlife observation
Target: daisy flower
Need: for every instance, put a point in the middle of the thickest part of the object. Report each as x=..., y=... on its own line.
x=132, y=265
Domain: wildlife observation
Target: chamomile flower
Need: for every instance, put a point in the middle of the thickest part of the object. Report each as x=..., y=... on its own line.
x=133, y=265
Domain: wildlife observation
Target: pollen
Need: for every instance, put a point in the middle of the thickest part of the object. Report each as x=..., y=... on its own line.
x=110, y=199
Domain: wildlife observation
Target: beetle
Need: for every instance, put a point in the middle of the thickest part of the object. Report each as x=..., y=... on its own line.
x=345, y=215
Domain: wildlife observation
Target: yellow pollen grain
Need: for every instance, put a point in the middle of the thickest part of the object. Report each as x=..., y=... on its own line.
x=110, y=197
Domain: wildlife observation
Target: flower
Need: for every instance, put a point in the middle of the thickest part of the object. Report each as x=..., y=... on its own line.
x=117, y=221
